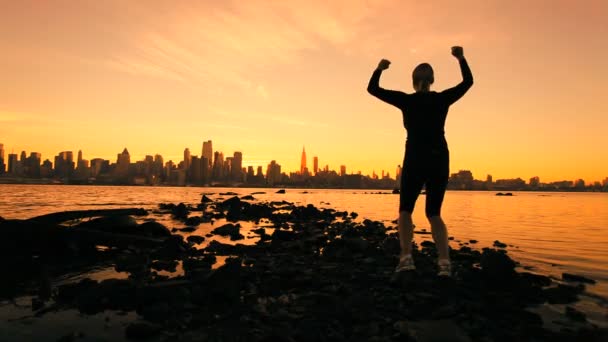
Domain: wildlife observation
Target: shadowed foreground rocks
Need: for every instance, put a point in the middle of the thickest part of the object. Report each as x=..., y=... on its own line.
x=313, y=275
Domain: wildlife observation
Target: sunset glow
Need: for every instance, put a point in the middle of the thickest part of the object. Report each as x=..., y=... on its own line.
x=269, y=77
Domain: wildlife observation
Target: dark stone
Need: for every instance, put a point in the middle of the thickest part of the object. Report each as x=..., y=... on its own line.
x=473, y=241
x=206, y=199
x=195, y=239
x=187, y=229
x=500, y=244
x=354, y=215
x=232, y=202
x=578, y=278
x=535, y=279
x=228, y=193
x=164, y=265
x=497, y=265
x=228, y=229
x=141, y=331
x=248, y=198
x=281, y=191
x=194, y=220
x=283, y=235
x=154, y=229
x=575, y=315
x=180, y=211
x=562, y=294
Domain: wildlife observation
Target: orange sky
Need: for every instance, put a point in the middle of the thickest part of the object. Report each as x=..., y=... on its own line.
x=267, y=77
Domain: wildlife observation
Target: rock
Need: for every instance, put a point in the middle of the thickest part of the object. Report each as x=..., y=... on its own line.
x=154, y=229
x=180, y=211
x=224, y=284
x=562, y=294
x=499, y=244
x=435, y=331
x=206, y=199
x=497, y=265
x=141, y=331
x=354, y=215
x=396, y=191
x=283, y=235
x=232, y=202
x=164, y=265
x=195, y=239
x=575, y=315
x=187, y=229
x=228, y=193
x=194, y=220
x=248, y=198
x=228, y=229
x=577, y=278
x=281, y=191
x=473, y=241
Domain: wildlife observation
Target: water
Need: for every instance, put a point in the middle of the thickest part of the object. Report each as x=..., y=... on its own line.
x=550, y=233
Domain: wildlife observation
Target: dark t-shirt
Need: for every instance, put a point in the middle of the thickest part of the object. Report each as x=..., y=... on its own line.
x=424, y=113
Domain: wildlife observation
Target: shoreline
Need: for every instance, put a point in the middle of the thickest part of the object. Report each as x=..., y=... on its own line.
x=302, y=269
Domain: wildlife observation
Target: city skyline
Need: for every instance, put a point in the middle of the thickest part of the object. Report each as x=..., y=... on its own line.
x=207, y=151
x=269, y=77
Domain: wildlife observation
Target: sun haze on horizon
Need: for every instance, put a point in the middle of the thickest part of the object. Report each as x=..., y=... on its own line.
x=266, y=77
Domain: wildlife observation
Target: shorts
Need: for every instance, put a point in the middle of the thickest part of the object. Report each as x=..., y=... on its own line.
x=424, y=168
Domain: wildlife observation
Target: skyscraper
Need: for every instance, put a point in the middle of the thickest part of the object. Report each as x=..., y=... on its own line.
x=2, y=165
x=208, y=151
x=13, y=163
x=303, y=161
x=342, y=170
x=187, y=159
x=79, y=157
x=123, y=161
x=237, y=166
x=315, y=163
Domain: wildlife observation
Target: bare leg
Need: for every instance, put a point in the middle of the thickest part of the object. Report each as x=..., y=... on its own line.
x=440, y=236
x=406, y=232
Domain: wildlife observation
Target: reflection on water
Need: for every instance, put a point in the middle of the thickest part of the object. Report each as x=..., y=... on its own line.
x=551, y=232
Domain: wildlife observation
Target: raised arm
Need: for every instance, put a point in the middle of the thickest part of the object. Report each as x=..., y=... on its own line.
x=393, y=97
x=454, y=94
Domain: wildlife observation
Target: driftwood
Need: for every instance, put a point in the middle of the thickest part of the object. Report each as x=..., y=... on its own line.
x=62, y=216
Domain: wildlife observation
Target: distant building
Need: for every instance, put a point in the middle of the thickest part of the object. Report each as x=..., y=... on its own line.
x=462, y=180
x=208, y=152
x=196, y=171
x=534, y=182
x=343, y=170
x=32, y=165
x=64, y=164
x=273, y=173
x=13, y=164
x=315, y=163
x=237, y=166
x=123, y=161
x=2, y=164
x=46, y=169
x=187, y=159
x=303, y=168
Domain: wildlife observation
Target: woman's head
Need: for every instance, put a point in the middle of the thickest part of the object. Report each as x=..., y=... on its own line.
x=422, y=77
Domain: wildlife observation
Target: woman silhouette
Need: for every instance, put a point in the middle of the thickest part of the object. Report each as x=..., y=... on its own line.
x=426, y=160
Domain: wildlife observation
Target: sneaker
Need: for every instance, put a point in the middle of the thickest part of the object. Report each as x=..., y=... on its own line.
x=406, y=263
x=445, y=269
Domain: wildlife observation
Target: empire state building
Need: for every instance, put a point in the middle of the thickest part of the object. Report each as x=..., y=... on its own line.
x=303, y=168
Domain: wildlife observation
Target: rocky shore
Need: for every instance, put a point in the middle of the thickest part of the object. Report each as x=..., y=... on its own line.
x=276, y=271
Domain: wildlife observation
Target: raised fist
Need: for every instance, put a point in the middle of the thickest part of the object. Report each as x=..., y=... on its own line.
x=457, y=52
x=383, y=64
